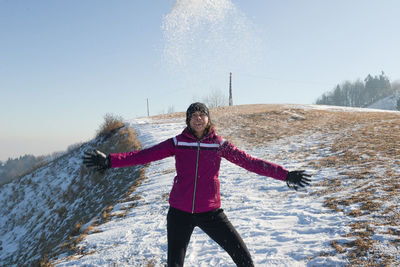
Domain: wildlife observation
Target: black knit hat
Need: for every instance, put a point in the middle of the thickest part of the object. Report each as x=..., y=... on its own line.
x=193, y=108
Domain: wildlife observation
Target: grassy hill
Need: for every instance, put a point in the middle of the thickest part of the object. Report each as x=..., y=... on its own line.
x=363, y=149
x=361, y=146
x=50, y=211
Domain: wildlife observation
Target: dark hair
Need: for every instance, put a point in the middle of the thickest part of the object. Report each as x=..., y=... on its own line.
x=196, y=107
x=202, y=108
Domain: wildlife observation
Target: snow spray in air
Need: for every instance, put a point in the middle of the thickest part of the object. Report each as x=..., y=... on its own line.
x=208, y=35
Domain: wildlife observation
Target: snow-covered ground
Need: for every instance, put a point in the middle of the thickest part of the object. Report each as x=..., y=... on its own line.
x=280, y=227
x=387, y=103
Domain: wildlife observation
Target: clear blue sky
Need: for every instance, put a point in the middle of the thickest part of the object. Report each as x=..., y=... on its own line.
x=64, y=64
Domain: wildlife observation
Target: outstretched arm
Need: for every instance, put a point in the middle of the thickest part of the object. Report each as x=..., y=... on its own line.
x=101, y=161
x=294, y=179
x=144, y=156
x=259, y=166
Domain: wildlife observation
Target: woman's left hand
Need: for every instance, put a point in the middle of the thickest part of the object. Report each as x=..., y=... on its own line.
x=294, y=179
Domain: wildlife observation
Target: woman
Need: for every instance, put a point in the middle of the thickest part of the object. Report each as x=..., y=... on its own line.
x=195, y=196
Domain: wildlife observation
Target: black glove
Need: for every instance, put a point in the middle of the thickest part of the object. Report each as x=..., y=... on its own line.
x=96, y=159
x=294, y=179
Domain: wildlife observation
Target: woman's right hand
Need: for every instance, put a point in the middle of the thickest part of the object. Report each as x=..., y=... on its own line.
x=96, y=159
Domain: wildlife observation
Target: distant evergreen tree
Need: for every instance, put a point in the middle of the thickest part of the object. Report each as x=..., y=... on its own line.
x=376, y=88
x=358, y=93
x=13, y=168
x=398, y=104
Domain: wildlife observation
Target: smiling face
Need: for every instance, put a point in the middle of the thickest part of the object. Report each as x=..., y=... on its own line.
x=198, y=123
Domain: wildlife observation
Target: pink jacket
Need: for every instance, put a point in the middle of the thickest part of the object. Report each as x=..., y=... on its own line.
x=196, y=186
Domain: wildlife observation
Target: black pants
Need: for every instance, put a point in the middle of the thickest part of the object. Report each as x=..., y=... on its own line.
x=180, y=226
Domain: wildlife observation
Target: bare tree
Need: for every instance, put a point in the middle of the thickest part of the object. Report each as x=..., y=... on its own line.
x=216, y=99
x=171, y=109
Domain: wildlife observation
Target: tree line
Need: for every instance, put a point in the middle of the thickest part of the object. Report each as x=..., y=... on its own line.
x=359, y=93
x=18, y=167
x=13, y=168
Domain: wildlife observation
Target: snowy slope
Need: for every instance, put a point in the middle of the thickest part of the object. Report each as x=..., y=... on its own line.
x=352, y=211
x=40, y=211
x=279, y=226
x=387, y=103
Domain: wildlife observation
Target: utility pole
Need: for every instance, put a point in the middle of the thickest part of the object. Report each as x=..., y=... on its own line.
x=148, y=114
x=230, y=90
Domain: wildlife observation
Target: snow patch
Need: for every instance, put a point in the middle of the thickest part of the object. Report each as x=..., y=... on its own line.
x=279, y=226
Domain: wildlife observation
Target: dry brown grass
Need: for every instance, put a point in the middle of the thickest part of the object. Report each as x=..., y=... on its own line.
x=43, y=262
x=129, y=140
x=338, y=248
x=111, y=124
x=122, y=140
x=363, y=141
x=374, y=142
x=258, y=124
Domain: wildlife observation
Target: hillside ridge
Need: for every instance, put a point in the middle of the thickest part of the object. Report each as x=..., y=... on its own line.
x=349, y=216
x=44, y=211
x=116, y=218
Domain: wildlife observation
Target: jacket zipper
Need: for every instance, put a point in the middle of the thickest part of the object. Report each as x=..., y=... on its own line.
x=195, y=178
